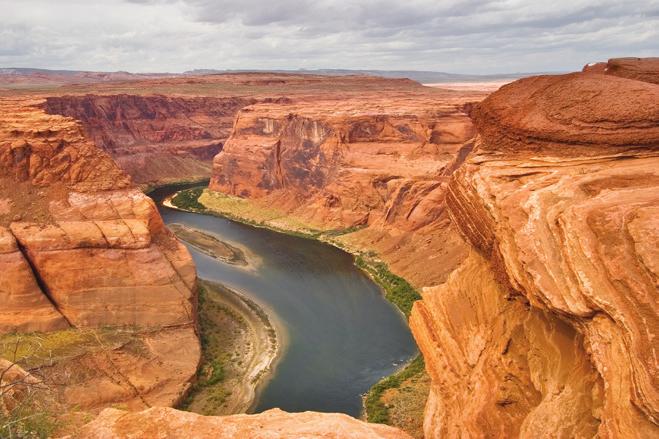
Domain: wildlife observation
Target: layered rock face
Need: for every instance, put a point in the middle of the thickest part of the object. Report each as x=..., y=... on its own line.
x=163, y=422
x=640, y=69
x=91, y=239
x=381, y=164
x=81, y=247
x=550, y=325
x=154, y=138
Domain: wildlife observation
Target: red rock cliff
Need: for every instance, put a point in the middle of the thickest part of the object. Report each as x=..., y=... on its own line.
x=376, y=163
x=550, y=325
x=81, y=247
x=154, y=138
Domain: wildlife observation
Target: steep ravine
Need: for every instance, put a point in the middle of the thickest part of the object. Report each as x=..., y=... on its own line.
x=100, y=259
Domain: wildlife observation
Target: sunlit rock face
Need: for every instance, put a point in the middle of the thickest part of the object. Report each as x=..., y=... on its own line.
x=550, y=324
x=640, y=69
x=154, y=138
x=91, y=240
x=81, y=247
x=24, y=306
x=170, y=423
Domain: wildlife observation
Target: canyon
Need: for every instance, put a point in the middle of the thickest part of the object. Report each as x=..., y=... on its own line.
x=526, y=218
x=541, y=227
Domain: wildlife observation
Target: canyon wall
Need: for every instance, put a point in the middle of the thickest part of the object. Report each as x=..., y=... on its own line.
x=154, y=138
x=81, y=247
x=550, y=325
x=87, y=260
x=375, y=166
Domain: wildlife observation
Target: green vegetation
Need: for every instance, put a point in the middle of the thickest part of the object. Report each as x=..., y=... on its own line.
x=188, y=199
x=28, y=421
x=246, y=212
x=397, y=290
x=182, y=184
x=36, y=413
x=211, y=374
x=38, y=349
x=376, y=409
x=339, y=232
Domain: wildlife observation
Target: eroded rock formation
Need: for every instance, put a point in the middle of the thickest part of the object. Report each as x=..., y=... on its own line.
x=379, y=164
x=81, y=247
x=551, y=324
x=536, y=241
x=272, y=424
x=641, y=69
x=154, y=138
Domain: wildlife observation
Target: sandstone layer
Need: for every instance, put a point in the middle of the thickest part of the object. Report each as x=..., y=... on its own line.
x=155, y=139
x=379, y=165
x=640, y=69
x=272, y=424
x=81, y=247
x=551, y=323
x=533, y=229
x=168, y=128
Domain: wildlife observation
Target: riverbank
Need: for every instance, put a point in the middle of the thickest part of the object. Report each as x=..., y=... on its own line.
x=241, y=345
x=400, y=401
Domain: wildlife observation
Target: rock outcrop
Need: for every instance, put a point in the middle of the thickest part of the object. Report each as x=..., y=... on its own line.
x=91, y=240
x=640, y=69
x=81, y=247
x=154, y=138
x=551, y=323
x=533, y=229
x=272, y=424
x=24, y=306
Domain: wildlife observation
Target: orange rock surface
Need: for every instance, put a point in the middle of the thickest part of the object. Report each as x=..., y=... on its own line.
x=24, y=306
x=81, y=247
x=551, y=323
x=272, y=424
x=640, y=69
x=93, y=241
x=155, y=139
x=533, y=230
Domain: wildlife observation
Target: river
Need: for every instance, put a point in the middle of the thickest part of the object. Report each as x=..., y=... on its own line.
x=342, y=336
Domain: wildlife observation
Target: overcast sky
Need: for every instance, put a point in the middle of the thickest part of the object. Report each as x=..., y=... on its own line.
x=467, y=36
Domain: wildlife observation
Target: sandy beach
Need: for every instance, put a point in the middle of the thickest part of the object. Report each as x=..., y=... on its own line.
x=240, y=339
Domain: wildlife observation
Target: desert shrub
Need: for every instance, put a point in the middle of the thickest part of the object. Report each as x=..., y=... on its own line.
x=376, y=410
x=397, y=290
x=188, y=199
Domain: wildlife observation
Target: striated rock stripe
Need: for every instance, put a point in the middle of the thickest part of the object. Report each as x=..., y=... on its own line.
x=559, y=200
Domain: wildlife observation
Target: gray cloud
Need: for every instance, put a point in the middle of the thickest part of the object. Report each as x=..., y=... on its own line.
x=470, y=36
